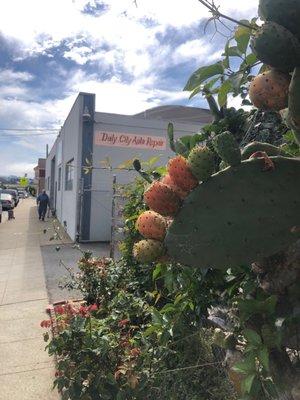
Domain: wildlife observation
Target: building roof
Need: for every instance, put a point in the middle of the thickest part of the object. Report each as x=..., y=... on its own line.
x=177, y=113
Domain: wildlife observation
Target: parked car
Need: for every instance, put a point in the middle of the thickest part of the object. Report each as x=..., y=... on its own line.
x=7, y=201
x=22, y=194
x=13, y=193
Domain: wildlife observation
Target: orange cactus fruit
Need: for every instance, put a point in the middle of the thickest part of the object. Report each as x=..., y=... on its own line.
x=162, y=199
x=270, y=90
x=151, y=225
x=167, y=180
x=181, y=174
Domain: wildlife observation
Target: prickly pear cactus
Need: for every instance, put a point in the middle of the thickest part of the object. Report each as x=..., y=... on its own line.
x=269, y=90
x=240, y=215
x=148, y=250
x=276, y=46
x=227, y=148
x=284, y=12
x=268, y=148
x=294, y=103
x=201, y=162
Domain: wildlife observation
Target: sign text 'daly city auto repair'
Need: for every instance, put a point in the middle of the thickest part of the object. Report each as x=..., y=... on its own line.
x=130, y=140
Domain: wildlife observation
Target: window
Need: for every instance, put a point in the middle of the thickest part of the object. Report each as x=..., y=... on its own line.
x=59, y=178
x=69, y=175
x=42, y=173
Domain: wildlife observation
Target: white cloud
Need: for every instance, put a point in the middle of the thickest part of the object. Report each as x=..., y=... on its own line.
x=19, y=169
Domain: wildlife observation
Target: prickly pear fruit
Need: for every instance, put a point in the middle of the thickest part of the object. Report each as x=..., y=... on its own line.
x=181, y=173
x=294, y=103
x=284, y=12
x=167, y=180
x=162, y=199
x=276, y=46
x=269, y=90
x=271, y=150
x=151, y=225
x=227, y=148
x=147, y=250
x=201, y=162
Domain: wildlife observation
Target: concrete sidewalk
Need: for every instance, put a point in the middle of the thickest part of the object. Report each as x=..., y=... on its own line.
x=26, y=371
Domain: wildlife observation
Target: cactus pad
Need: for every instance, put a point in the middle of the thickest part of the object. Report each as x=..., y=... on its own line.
x=239, y=216
x=284, y=12
x=227, y=148
x=201, y=162
x=271, y=150
x=276, y=46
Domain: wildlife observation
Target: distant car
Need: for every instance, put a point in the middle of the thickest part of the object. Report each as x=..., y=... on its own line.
x=22, y=194
x=13, y=193
x=7, y=201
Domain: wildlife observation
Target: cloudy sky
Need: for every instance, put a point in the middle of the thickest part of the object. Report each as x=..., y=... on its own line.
x=132, y=57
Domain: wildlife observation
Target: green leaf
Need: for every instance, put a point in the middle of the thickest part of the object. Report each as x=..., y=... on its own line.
x=247, y=383
x=223, y=92
x=242, y=37
x=246, y=366
x=236, y=80
x=151, y=329
x=252, y=337
x=251, y=59
x=233, y=52
x=263, y=357
x=202, y=74
x=156, y=271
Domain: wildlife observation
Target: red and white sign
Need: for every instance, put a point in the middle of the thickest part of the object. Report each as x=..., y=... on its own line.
x=117, y=139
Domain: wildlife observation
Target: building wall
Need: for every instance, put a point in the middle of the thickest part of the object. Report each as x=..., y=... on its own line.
x=102, y=188
x=87, y=208
x=66, y=148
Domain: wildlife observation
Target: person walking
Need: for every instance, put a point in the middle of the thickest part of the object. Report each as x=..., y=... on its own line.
x=43, y=202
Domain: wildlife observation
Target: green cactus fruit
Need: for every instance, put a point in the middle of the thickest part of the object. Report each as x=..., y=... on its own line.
x=276, y=46
x=284, y=12
x=271, y=150
x=294, y=104
x=148, y=250
x=239, y=216
x=201, y=162
x=227, y=148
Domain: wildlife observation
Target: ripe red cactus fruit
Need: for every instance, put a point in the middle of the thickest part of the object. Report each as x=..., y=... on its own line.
x=162, y=199
x=151, y=225
x=181, y=173
x=167, y=180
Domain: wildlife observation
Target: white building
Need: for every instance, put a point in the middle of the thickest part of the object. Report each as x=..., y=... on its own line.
x=83, y=201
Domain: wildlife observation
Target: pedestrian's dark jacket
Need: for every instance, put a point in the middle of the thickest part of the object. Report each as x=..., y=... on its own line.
x=43, y=200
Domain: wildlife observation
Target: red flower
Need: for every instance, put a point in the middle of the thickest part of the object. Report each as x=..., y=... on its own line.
x=123, y=322
x=59, y=310
x=46, y=323
x=93, y=307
